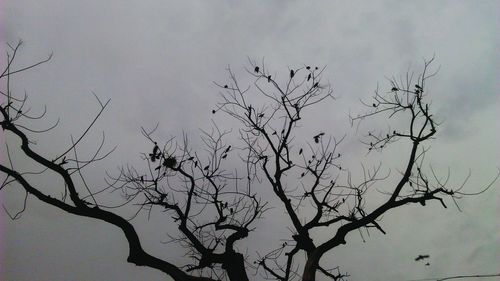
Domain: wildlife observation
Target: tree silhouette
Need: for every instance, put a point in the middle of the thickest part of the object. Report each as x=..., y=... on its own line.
x=215, y=206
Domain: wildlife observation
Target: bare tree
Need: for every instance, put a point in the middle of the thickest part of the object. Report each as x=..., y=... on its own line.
x=215, y=205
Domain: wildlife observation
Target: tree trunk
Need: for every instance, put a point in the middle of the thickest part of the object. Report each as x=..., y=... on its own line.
x=311, y=267
x=235, y=268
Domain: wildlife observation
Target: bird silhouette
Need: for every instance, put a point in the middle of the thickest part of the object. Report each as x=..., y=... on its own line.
x=155, y=154
x=421, y=257
x=225, y=86
x=309, y=77
x=418, y=87
x=308, y=67
x=394, y=89
x=206, y=167
x=315, y=85
x=256, y=69
x=269, y=78
x=316, y=137
x=300, y=151
x=292, y=73
x=427, y=264
x=156, y=149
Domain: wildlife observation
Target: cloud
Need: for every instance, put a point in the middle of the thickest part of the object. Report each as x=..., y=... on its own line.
x=157, y=60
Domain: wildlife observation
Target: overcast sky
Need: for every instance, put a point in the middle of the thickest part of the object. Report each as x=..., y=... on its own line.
x=157, y=61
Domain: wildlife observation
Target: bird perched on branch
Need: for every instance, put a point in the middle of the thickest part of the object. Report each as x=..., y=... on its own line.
x=256, y=69
x=292, y=73
x=156, y=153
x=156, y=149
x=316, y=137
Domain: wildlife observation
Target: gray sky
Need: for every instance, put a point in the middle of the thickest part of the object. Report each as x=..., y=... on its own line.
x=157, y=61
